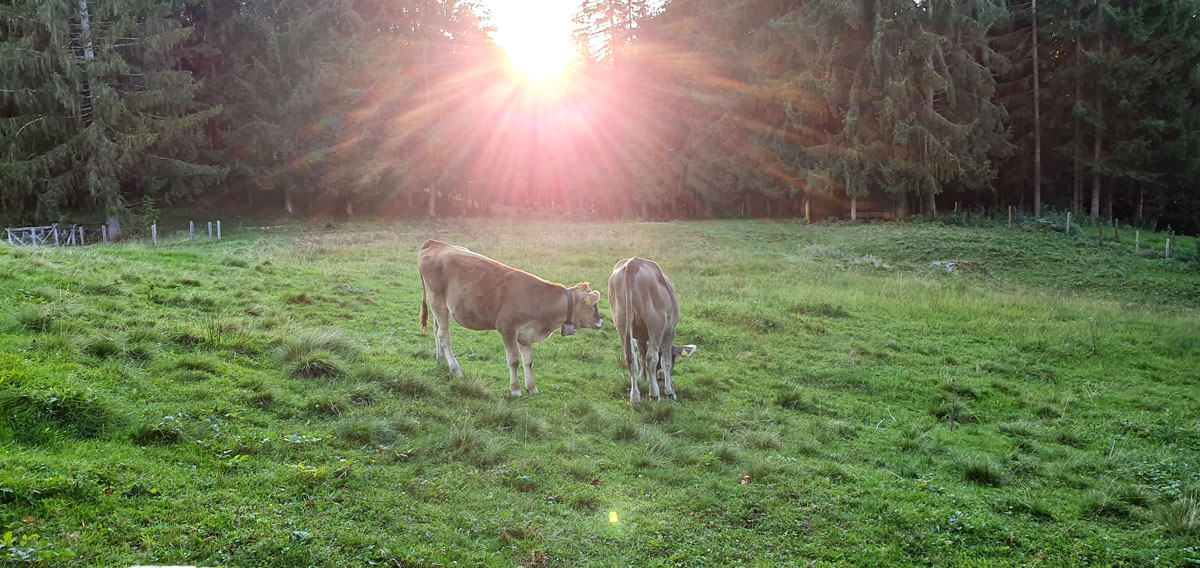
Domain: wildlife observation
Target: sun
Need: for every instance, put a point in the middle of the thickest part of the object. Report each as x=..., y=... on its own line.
x=536, y=61
x=536, y=35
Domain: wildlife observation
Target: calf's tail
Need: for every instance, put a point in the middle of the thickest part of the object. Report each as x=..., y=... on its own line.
x=424, y=315
x=627, y=333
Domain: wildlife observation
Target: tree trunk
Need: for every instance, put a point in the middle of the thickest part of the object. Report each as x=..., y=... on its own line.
x=287, y=201
x=432, y=201
x=807, y=207
x=853, y=208
x=1095, y=209
x=1077, y=183
x=1141, y=198
x=1037, y=125
x=349, y=208
x=930, y=204
x=1108, y=203
x=902, y=206
x=87, y=107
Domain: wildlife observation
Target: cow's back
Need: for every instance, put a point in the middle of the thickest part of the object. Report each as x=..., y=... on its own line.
x=480, y=293
x=639, y=290
x=442, y=264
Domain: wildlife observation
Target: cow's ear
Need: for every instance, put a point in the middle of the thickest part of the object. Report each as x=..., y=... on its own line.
x=593, y=298
x=687, y=350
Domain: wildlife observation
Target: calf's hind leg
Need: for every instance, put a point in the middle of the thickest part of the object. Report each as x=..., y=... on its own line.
x=651, y=358
x=441, y=316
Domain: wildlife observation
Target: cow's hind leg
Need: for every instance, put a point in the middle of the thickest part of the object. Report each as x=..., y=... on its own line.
x=512, y=352
x=631, y=365
x=651, y=359
x=437, y=342
x=441, y=316
x=527, y=363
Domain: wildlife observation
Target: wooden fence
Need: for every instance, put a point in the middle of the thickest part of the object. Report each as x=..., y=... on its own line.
x=76, y=235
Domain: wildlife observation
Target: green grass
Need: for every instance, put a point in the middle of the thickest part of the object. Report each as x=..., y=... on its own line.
x=268, y=400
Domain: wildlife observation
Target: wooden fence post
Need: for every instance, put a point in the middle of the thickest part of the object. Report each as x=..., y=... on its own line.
x=1167, y=251
x=1137, y=241
x=154, y=233
x=104, y=233
x=218, y=229
x=1068, y=222
x=1116, y=230
x=1010, y=216
x=192, y=231
x=210, y=230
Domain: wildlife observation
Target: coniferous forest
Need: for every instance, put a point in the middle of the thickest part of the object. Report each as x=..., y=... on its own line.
x=682, y=109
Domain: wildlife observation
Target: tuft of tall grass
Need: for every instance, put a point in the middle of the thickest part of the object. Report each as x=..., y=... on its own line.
x=1180, y=516
x=34, y=317
x=468, y=388
x=465, y=442
x=762, y=439
x=982, y=471
x=305, y=343
x=364, y=430
x=316, y=365
x=161, y=433
x=103, y=347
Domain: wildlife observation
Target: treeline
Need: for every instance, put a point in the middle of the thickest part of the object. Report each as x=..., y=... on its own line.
x=695, y=108
x=841, y=108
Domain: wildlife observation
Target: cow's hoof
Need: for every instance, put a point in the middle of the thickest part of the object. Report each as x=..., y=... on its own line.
x=533, y=392
x=515, y=393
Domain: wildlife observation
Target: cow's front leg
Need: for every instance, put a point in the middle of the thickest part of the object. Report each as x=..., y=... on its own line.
x=513, y=353
x=527, y=362
x=668, y=388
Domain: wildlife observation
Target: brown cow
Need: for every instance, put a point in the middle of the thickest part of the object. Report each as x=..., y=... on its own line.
x=482, y=294
x=645, y=309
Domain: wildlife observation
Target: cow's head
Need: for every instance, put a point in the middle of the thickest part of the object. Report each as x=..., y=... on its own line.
x=677, y=351
x=585, y=314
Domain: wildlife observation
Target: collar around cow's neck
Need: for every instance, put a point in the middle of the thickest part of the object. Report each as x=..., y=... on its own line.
x=570, y=304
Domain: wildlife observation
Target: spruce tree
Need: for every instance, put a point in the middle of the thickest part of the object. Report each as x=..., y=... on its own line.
x=93, y=109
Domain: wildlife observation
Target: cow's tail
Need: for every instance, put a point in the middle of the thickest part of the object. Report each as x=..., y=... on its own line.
x=424, y=315
x=627, y=332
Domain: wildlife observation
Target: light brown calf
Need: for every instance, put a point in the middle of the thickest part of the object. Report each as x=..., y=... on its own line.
x=482, y=294
x=645, y=310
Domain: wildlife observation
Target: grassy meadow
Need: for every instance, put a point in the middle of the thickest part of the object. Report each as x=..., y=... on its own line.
x=268, y=400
